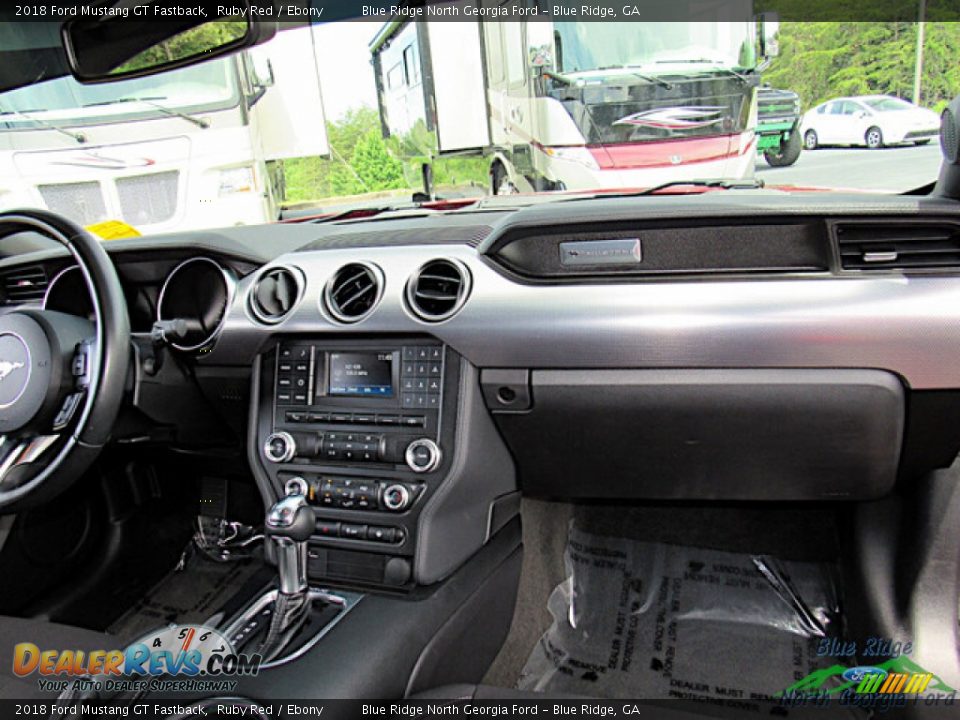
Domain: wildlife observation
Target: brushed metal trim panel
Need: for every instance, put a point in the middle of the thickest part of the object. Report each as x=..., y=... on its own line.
x=906, y=325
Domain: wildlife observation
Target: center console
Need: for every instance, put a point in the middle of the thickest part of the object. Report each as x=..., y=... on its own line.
x=364, y=429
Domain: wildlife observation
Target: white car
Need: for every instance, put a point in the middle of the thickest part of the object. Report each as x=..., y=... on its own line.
x=871, y=120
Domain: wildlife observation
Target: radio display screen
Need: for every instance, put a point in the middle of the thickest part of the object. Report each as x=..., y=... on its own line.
x=360, y=374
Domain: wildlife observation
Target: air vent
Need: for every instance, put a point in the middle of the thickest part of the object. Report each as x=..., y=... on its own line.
x=275, y=294
x=24, y=285
x=438, y=289
x=353, y=292
x=906, y=246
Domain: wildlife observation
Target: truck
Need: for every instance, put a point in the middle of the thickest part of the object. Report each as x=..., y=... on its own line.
x=186, y=149
x=778, y=126
x=559, y=105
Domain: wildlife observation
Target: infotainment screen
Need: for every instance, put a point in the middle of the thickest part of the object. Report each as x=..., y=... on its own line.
x=361, y=374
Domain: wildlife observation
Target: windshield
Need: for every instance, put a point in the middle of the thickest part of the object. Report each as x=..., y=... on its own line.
x=418, y=115
x=66, y=102
x=602, y=46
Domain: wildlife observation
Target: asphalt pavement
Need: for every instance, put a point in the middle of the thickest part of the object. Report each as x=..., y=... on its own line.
x=894, y=169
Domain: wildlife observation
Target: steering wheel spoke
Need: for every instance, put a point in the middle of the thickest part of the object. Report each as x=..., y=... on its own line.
x=62, y=375
x=17, y=451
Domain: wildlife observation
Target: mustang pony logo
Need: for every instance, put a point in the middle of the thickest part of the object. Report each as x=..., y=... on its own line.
x=675, y=118
x=7, y=367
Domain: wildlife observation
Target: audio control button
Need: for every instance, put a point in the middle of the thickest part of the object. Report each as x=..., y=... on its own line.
x=423, y=455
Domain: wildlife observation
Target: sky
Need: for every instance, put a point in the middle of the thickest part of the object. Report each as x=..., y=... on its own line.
x=346, y=75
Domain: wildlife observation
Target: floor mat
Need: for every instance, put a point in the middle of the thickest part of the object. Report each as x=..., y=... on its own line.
x=188, y=595
x=647, y=620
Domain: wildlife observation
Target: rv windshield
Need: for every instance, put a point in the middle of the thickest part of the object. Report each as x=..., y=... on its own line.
x=67, y=103
x=586, y=46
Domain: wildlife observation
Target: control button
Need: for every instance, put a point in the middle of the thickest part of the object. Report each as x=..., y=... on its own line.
x=328, y=528
x=340, y=417
x=300, y=397
x=300, y=383
x=381, y=534
x=436, y=353
x=326, y=494
x=280, y=447
x=410, y=353
x=388, y=419
x=284, y=382
x=301, y=367
x=420, y=385
x=422, y=400
x=433, y=401
x=364, y=419
x=433, y=385
x=293, y=416
x=408, y=384
x=286, y=352
x=408, y=369
x=284, y=397
x=319, y=417
x=69, y=407
x=354, y=532
x=434, y=369
x=301, y=353
x=285, y=367
x=423, y=353
x=423, y=455
x=422, y=369
x=409, y=400
x=396, y=497
x=413, y=420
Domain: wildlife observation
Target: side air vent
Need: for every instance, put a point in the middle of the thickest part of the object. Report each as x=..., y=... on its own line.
x=353, y=292
x=275, y=294
x=438, y=289
x=906, y=246
x=24, y=285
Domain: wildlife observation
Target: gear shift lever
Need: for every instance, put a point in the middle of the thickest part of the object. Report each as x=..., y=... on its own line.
x=289, y=524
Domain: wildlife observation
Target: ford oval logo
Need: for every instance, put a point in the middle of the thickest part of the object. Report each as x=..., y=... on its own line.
x=856, y=674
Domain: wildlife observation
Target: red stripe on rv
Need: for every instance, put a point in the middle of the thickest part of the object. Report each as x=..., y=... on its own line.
x=665, y=153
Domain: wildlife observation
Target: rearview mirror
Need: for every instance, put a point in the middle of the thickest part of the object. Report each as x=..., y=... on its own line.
x=769, y=27
x=114, y=47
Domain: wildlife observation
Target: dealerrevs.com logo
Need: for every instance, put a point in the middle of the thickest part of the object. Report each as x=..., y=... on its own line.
x=177, y=658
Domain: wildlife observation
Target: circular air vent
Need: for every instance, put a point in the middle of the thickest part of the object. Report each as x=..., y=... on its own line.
x=353, y=292
x=438, y=289
x=275, y=294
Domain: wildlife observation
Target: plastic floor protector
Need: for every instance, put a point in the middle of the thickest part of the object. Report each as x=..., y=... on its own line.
x=641, y=620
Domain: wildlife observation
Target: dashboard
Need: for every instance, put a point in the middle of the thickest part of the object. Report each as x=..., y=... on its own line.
x=413, y=374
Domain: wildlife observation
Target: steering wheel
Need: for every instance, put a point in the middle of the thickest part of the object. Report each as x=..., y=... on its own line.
x=61, y=377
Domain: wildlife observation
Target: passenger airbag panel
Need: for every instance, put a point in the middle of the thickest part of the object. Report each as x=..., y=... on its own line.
x=731, y=434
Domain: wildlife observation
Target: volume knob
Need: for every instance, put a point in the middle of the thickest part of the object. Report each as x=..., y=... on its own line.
x=423, y=455
x=280, y=447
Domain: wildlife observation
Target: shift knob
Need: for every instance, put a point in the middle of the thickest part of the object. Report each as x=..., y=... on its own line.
x=291, y=517
x=290, y=523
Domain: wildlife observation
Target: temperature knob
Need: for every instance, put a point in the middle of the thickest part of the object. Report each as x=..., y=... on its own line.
x=396, y=497
x=423, y=455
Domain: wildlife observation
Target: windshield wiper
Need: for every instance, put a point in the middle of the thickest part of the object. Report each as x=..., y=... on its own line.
x=722, y=184
x=702, y=61
x=199, y=122
x=78, y=136
x=646, y=78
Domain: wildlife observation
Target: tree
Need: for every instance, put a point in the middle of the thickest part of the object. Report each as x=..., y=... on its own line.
x=819, y=61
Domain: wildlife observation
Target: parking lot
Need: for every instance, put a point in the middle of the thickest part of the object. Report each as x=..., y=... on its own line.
x=895, y=169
